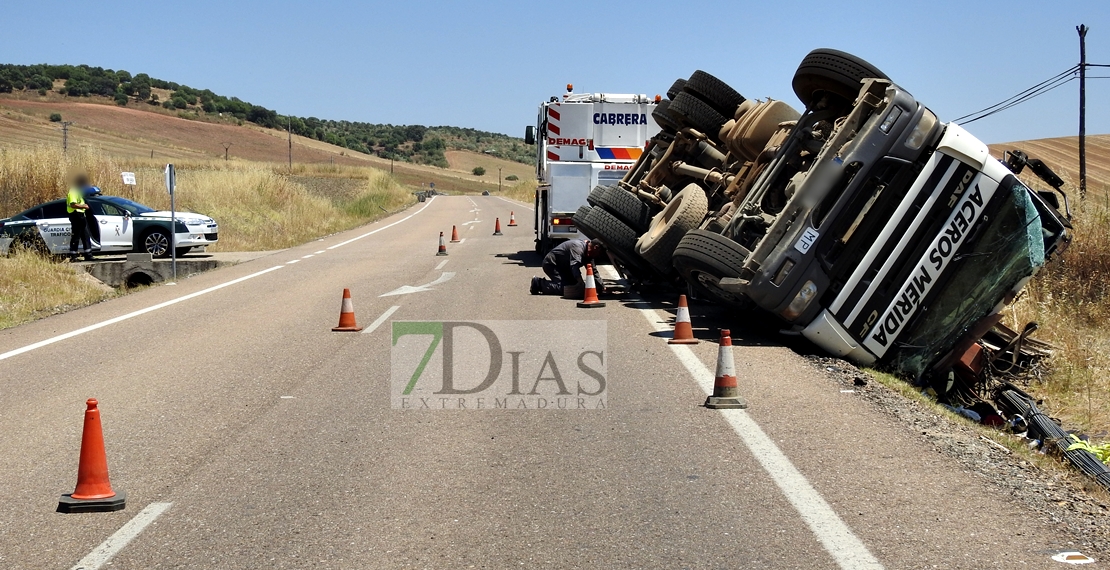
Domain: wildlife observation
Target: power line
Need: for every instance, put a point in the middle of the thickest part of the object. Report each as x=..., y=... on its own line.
x=1034, y=91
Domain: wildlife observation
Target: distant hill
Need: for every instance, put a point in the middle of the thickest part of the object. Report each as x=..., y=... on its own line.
x=408, y=143
x=1062, y=156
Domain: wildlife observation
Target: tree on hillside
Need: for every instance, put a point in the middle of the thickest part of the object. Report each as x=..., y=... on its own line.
x=479, y=171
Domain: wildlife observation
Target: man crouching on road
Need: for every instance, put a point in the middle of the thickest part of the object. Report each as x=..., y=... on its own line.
x=563, y=266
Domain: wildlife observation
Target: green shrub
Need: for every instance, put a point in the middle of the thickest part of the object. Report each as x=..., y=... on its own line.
x=121, y=99
x=479, y=171
x=512, y=177
x=55, y=117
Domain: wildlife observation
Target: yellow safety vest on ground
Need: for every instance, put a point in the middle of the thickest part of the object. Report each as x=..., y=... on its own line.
x=75, y=196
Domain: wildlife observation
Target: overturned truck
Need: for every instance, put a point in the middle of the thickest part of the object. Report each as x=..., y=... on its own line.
x=863, y=222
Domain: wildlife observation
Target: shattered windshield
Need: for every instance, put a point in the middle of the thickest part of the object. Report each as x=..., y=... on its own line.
x=1010, y=249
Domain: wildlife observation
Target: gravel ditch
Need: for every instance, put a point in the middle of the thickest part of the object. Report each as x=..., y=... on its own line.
x=1063, y=499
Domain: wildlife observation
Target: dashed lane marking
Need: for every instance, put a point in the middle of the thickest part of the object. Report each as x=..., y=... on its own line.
x=833, y=534
x=378, y=322
x=441, y=264
x=109, y=548
x=321, y=251
x=309, y=255
x=292, y=262
x=132, y=314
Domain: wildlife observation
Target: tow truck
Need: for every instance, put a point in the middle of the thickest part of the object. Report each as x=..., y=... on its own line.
x=583, y=140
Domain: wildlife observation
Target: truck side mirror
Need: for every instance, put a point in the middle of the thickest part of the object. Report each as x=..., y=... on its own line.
x=530, y=135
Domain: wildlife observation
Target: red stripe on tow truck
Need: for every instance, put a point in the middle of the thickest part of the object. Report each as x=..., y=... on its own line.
x=553, y=128
x=552, y=156
x=551, y=112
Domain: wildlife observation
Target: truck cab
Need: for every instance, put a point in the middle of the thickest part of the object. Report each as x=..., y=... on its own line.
x=583, y=140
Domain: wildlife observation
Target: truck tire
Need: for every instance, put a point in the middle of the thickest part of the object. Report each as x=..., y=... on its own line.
x=831, y=71
x=703, y=258
x=663, y=118
x=689, y=111
x=683, y=213
x=592, y=198
x=625, y=207
x=717, y=93
x=618, y=238
x=579, y=219
x=676, y=88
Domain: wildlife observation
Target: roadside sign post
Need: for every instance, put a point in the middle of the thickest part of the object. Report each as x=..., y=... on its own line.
x=171, y=183
x=128, y=178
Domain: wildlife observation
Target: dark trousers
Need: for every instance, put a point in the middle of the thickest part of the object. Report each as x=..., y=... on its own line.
x=79, y=233
x=556, y=277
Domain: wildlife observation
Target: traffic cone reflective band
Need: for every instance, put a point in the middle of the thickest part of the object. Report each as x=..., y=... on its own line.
x=590, y=300
x=347, y=310
x=683, y=330
x=454, y=237
x=497, y=227
x=94, y=491
x=512, y=219
x=726, y=394
x=442, y=245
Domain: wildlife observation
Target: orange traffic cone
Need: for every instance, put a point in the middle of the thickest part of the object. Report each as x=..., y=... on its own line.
x=726, y=394
x=497, y=227
x=590, y=300
x=683, y=330
x=442, y=245
x=347, y=311
x=512, y=219
x=454, y=237
x=94, y=492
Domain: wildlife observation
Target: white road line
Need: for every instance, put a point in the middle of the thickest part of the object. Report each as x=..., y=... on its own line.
x=109, y=548
x=514, y=202
x=839, y=540
x=378, y=322
x=309, y=255
x=462, y=240
x=441, y=264
x=292, y=262
x=319, y=252
x=470, y=228
x=132, y=314
x=354, y=239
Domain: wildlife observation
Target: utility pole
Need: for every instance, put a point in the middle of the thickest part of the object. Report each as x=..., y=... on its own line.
x=498, y=179
x=391, y=164
x=1082, y=110
x=290, y=130
x=226, y=147
x=65, y=136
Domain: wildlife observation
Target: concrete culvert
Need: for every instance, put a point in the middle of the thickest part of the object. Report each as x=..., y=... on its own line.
x=138, y=279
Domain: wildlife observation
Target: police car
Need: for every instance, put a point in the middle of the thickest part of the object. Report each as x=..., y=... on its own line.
x=118, y=225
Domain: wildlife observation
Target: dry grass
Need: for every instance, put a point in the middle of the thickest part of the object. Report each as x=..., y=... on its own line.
x=525, y=191
x=1070, y=299
x=32, y=287
x=258, y=206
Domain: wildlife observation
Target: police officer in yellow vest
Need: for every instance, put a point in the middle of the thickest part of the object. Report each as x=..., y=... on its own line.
x=79, y=226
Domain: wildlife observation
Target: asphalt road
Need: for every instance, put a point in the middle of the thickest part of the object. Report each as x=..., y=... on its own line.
x=274, y=443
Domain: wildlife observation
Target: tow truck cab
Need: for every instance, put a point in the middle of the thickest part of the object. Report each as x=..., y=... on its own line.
x=901, y=235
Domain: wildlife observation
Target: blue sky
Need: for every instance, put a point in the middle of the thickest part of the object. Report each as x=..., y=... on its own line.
x=488, y=64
